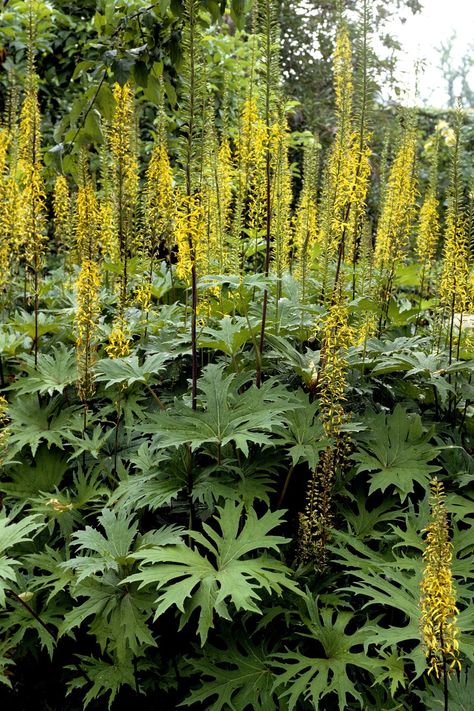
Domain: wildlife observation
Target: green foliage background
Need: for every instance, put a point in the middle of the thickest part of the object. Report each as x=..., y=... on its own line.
x=148, y=558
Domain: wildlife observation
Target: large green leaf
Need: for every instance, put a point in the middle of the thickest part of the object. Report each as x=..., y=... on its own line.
x=53, y=372
x=312, y=678
x=191, y=580
x=240, y=676
x=396, y=452
x=11, y=534
x=33, y=423
x=229, y=415
x=129, y=370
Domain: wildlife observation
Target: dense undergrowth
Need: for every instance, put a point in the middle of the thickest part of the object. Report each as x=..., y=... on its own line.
x=231, y=366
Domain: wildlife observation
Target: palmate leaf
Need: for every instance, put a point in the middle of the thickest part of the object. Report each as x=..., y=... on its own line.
x=191, y=580
x=314, y=678
x=303, y=433
x=112, y=549
x=229, y=337
x=53, y=372
x=128, y=370
x=11, y=534
x=240, y=676
x=396, y=452
x=27, y=480
x=460, y=693
x=106, y=677
x=119, y=614
x=229, y=416
x=32, y=423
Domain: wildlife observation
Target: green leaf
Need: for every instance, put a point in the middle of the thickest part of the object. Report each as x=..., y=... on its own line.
x=53, y=373
x=32, y=423
x=314, y=678
x=231, y=335
x=106, y=677
x=229, y=416
x=240, y=676
x=11, y=534
x=396, y=452
x=190, y=580
x=127, y=371
x=303, y=433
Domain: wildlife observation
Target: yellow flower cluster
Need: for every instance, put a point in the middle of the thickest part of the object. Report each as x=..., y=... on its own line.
x=5, y=247
x=346, y=181
x=32, y=208
x=87, y=314
x=142, y=295
x=107, y=230
x=158, y=197
x=119, y=340
x=282, y=197
x=30, y=123
x=398, y=205
x=317, y=518
x=190, y=235
x=251, y=150
x=32, y=215
x=4, y=420
x=305, y=222
x=86, y=220
x=62, y=213
x=337, y=336
x=438, y=600
x=125, y=166
x=454, y=288
x=342, y=69
x=428, y=229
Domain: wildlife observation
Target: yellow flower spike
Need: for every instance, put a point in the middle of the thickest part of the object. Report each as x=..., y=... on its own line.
x=87, y=315
x=282, y=197
x=438, y=620
x=32, y=206
x=4, y=421
x=159, y=202
x=142, y=296
x=316, y=520
x=190, y=235
x=86, y=220
x=398, y=206
x=62, y=213
x=305, y=223
x=121, y=139
x=119, y=340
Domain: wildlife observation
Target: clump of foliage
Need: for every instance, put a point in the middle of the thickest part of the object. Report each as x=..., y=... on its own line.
x=228, y=379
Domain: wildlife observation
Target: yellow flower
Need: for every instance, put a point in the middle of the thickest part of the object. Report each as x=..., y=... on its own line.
x=119, y=340
x=190, y=235
x=87, y=314
x=62, y=213
x=4, y=421
x=159, y=205
x=439, y=613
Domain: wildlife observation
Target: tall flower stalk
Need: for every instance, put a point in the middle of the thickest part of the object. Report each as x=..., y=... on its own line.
x=454, y=287
x=32, y=213
x=438, y=620
x=331, y=382
x=270, y=62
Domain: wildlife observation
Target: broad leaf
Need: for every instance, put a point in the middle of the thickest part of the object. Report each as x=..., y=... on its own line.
x=313, y=678
x=229, y=416
x=191, y=580
x=396, y=452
